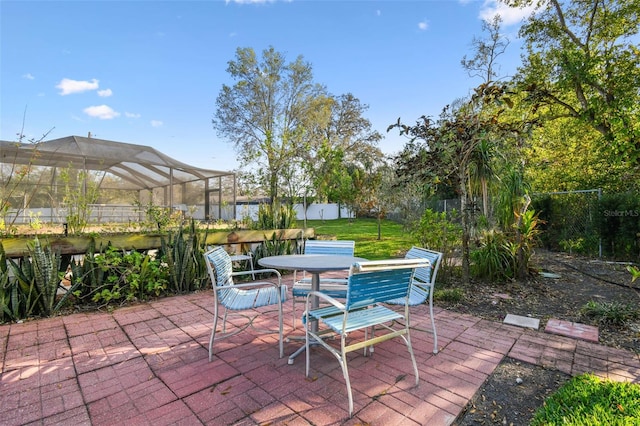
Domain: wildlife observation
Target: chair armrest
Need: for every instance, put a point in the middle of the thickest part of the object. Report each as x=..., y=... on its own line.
x=339, y=305
x=257, y=271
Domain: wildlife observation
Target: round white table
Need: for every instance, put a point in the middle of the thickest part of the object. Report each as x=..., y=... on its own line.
x=315, y=264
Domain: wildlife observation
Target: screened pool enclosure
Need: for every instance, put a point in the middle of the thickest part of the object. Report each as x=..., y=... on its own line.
x=120, y=180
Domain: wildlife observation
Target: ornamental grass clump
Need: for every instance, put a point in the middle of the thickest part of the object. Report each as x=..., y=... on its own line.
x=610, y=313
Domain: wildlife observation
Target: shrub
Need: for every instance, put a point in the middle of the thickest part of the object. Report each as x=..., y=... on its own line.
x=451, y=295
x=440, y=232
x=494, y=258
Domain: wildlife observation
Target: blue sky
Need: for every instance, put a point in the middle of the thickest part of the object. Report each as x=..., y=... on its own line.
x=149, y=72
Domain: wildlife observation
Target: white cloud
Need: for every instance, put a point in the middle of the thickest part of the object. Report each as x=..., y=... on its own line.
x=105, y=93
x=378, y=12
x=131, y=115
x=156, y=123
x=423, y=25
x=509, y=15
x=68, y=86
x=103, y=112
x=28, y=76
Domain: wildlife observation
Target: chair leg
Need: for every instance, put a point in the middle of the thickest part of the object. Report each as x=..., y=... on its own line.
x=433, y=327
x=213, y=334
x=345, y=373
x=253, y=275
x=407, y=339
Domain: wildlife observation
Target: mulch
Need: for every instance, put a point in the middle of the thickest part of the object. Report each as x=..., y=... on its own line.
x=567, y=283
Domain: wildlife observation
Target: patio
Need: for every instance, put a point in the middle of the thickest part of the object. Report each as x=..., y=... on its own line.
x=147, y=364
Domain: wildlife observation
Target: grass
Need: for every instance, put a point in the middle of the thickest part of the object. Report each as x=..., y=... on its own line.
x=587, y=400
x=394, y=240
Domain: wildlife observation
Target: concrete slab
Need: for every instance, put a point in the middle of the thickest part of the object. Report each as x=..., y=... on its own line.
x=572, y=329
x=521, y=321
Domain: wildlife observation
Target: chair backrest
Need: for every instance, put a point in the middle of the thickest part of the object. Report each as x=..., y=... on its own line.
x=340, y=247
x=219, y=266
x=380, y=280
x=425, y=276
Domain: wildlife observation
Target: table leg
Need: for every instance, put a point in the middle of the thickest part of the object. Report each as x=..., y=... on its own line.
x=315, y=286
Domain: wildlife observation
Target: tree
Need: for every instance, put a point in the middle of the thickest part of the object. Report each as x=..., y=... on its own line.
x=484, y=65
x=565, y=155
x=264, y=114
x=344, y=142
x=444, y=151
x=582, y=62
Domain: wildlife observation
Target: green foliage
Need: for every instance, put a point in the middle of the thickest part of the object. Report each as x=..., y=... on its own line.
x=512, y=191
x=127, y=276
x=291, y=91
x=494, y=259
x=501, y=255
x=437, y=231
x=610, y=313
x=275, y=217
x=274, y=247
x=450, y=295
x=183, y=255
x=526, y=236
x=587, y=400
x=8, y=291
x=582, y=62
x=441, y=232
x=38, y=278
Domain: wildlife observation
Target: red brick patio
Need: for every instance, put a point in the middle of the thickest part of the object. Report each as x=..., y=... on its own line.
x=147, y=364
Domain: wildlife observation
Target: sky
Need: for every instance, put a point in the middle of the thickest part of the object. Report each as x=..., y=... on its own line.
x=149, y=72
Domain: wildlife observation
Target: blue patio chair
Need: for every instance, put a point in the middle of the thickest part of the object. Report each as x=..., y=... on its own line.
x=422, y=286
x=237, y=297
x=335, y=287
x=369, y=285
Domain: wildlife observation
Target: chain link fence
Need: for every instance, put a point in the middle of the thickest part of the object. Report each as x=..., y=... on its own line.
x=570, y=221
x=585, y=222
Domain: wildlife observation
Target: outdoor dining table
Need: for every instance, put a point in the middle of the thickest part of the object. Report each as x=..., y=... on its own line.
x=315, y=264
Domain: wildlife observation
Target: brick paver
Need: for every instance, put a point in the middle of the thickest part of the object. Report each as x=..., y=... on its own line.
x=148, y=364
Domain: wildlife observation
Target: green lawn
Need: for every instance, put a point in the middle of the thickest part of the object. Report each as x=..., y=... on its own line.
x=393, y=242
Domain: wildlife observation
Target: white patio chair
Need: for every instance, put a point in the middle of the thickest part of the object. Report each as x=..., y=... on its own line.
x=244, y=257
x=368, y=286
x=335, y=287
x=245, y=296
x=422, y=286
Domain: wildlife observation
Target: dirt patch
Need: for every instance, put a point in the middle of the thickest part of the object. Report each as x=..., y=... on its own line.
x=566, y=284
x=512, y=394
x=563, y=286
